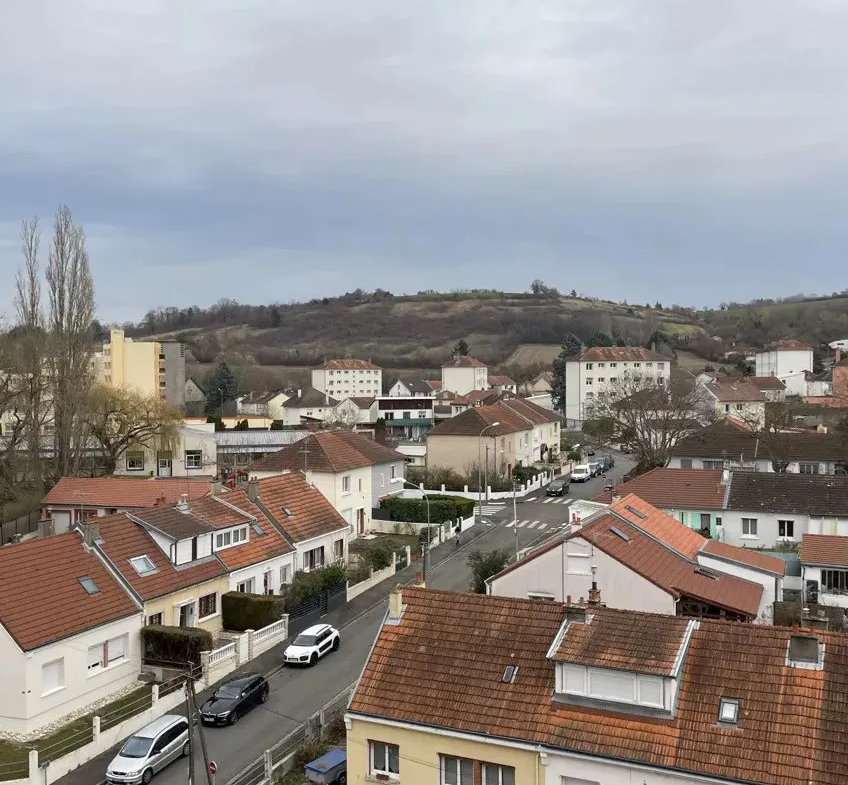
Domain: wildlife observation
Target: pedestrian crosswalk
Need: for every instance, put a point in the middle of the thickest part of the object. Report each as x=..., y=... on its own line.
x=492, y=509
x=556, y=500
x=529, y=524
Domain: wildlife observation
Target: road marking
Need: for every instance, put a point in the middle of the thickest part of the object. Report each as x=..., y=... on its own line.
x=532, y=524
x=523, y=524
x=548, y=500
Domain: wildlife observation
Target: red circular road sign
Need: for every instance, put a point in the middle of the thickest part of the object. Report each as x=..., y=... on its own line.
x=213, y=767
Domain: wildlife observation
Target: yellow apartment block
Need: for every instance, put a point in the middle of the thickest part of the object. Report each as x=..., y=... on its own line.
x=132, y=365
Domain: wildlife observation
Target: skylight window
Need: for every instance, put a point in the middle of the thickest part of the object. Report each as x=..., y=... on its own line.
x=144, y=565
x=619, y=533
x=510, y=672
x=257, y=529
x=708, y=572
x=728, y=711
x=89, y=585
x=287, y=512
x=636, y=512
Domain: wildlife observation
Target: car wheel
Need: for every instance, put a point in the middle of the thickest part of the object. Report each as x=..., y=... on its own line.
x=336, y=643
x=342, y=780
x=264, y=696
x=313, y=659
x=233, y=718
x=186, y=749
x=147, y=776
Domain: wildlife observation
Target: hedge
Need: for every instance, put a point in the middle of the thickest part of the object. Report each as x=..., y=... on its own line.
x=525, y=473
x=442, y=508
x=240, y=611
x=306, y=585
x=174, y=645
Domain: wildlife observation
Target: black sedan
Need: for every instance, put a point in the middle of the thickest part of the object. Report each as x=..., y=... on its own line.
x=557, y=487
x=233, y=699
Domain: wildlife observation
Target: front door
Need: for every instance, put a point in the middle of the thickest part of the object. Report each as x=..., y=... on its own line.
x=164, y=467
x=187, y=615
x=360, y=521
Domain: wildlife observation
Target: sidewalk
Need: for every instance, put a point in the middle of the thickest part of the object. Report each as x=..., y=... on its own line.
x=269, y=662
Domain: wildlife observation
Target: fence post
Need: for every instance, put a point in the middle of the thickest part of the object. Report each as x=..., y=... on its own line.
x=408, y=557
x=95, y=728
x=250, y=645
x=154, y=695
x=269, y=766
x=204, y=664
x=34, y=779
x=285, y=619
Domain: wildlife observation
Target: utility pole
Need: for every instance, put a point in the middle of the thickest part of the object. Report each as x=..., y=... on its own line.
x=190, y=717
x=210, y=777
x=515, y=517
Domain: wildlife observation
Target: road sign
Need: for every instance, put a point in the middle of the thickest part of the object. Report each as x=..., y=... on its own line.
x=213, y=767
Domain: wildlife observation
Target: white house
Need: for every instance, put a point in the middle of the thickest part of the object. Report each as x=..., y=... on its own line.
x=268, y=403
x=740, y=399
x=308, y=405
x=502, y=384
x=407, y=417
x=349, y=469
x=348, y=379
x=601, y=368
x=463, y=374
x=409, y=387
x=824, y=568
x=68, y=633
x=194, y=455
x=784, y=359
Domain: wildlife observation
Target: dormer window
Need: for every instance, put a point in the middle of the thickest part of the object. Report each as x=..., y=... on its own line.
x=728, y=711
x=606, y=684
x=229, y=538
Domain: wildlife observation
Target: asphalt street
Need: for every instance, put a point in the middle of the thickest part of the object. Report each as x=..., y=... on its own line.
x=296, y=694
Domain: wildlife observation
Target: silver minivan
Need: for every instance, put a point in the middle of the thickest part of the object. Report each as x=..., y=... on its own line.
x=151, y=749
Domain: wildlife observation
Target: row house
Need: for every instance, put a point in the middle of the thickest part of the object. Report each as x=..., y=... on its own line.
x=351, y=470
x=348, y=378
x=462, y=374
x=616, y=697
x=645, y=560
x=406, y=418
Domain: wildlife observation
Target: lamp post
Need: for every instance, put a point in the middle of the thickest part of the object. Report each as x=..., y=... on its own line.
x=426, y=554
x=480, y=470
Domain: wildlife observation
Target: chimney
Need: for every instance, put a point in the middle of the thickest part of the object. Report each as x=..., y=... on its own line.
x=575, y=613
x=15, y=539
x=419, y=581
x=725, y=476
x=252, y=490
x=594, y=593
x=396, y=605
x=216, y=488
x=616, y=498
x=46, y=528
x=837, y=355
x=182, y=504
x=90, y=533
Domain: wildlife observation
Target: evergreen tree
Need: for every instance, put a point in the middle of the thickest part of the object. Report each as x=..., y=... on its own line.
x=221, y=386
x=570, y=346
x=460, y=348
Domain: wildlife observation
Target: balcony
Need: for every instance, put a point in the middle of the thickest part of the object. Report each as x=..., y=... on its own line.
x=423, y=422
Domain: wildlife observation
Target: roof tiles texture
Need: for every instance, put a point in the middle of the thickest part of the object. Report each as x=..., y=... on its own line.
x=686, y=489
x=737, y=392
x=464, y=361
x=348, y=365
x=442, y=666
x=499, y=380
x=312, y=515
x=621, y=354
x=41, y=598
x=824, y=549
x=662, y=527
x=122, y=492
x=746, y=556
x=796, y=494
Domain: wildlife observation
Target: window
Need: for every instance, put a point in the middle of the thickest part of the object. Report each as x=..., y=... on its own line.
x=394, y=471
x=590, y=395
x=457, y=771
x=89, y=585
x=834, y=581
x=649, y=365
x=95, y=657
x=588, y=366
x=749, y=527
x=660, y=365
x=786, y=529
x=685, y=463
x=601, y=365
x=601, y=380
x=613, y=365
x=808, y=468
x=498, y=775
x=239, y=535
x=338, y=550
x=359, y=487
x=52, y=676
x=713, y=464
x=194, y=459
x=116, y=650
x=135, y=461
x=314, y=559
x=284, y=575
x=143, y=565
x=245, y=587
x=384, y=760
x=346, y=484
x=155, y=618
x=706, y=520
x=588, y=381
x=208, y=605
x=728, y=711
x=223, y=539
x=727, y=408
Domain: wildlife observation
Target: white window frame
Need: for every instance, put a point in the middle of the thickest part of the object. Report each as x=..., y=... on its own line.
x=786, y=524
x=135, y=468
x=193, y=459
x=145, y=570
x=57, y=684
x=338, y=552
x=346, y=483
x=752, y=526
x=246, y=586
x=285, y=578
x=493, y=774
x=450, y=762
x=383, y=772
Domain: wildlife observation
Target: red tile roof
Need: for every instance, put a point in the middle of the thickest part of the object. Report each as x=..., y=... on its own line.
x=122, y=492
x=736, y=392
x=41, y=598
x=434, y=384
x=537, y=415
x=789, y=345
x=474, y=397
x=638, y=642
x=312, y=515
x=767, y=382
x=668, y=569
x=123, y=539
x=328, y=451
x=442, y=667
x=464, y=361
x=348, y=365
x=621, y=354
x=824, y=549
x=747, y=556
x=662, y=527
x=472, y=421
x=499, y=380
x=685, y=489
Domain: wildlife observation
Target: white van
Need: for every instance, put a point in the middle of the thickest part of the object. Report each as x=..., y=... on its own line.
x=581, y=473
x=149, y=750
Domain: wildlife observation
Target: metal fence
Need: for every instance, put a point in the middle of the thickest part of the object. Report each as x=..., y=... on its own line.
x=315, y=726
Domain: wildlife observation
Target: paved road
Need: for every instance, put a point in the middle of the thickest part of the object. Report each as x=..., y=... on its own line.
x=296, y=694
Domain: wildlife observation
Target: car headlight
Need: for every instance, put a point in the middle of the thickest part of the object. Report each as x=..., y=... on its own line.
x=223, y=714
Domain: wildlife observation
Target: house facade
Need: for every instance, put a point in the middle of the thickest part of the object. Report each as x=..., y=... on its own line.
x=784, y=359
x=262, y=404
x=407, y=417
x=308, y=406
x=66, y=648
x=739, y=399
x=502, y=384
x=599, y=369
x=348, y=378
x=194, y=455
x=410, y=387
x=463, y=374
x=824, y=569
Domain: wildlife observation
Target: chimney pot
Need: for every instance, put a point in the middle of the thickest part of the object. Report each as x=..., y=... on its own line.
x=253, y=490
x=91, y=532
x=216, y=488
x=396, y=603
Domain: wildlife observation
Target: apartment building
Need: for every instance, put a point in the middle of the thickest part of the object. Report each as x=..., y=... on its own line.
x=463, y=374
x=348, y=379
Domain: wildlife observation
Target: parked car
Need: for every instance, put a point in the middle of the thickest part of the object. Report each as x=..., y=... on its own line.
x=234, y=698
x=607, y=462
x=590, y=451
x=594, y=468
x=312, y=644
x=581, y=473
x=149, y=750
x=557, y=487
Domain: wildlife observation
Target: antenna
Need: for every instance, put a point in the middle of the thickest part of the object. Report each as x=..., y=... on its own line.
x=305, y=453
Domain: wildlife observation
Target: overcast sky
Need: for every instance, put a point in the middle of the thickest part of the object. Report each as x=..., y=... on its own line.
x=271, y=150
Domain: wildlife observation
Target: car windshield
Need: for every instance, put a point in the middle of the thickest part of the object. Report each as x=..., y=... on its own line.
x=305, y=640
x=228, y=691
x=136, y=747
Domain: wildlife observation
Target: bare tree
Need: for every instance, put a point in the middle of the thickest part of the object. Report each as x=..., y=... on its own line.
x=648, y=414
x=342, y=417
x=70, y=295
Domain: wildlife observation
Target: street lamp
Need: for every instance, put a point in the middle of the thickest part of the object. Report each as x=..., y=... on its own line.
x=480, y=469
x=426, y=554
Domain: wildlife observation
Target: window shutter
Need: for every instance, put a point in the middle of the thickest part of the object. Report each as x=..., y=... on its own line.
x=51, y=676
x=116, y=649
x=95, y=656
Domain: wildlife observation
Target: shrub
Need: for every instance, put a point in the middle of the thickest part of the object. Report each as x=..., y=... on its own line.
x=242, y=611
x=379, y=556
x=306, y=585
x=442, y=508
x=524, y=473
x=485, y=564
x=174, y=645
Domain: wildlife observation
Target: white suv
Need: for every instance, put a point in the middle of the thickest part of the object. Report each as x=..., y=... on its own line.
x=312, y=644
x=581, y=473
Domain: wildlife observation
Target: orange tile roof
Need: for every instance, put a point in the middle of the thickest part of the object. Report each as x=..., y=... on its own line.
x=348, y=365
x=824, y=549
x=123, y=492
x=464, y=361
x=328, y=451
x=669, y=531
x=686, y=489
x=537, y=415
x=41, y=598
x=746, y=556
x=312, y=515
x=442, y=667
x=742, y=391
x=668, y=569
x=621, y=354
x=789, y=345
x=472, y=421
x=434, y=384
x=766, y=382
x=123, y=539
x=638, y=642
x=500, y=380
